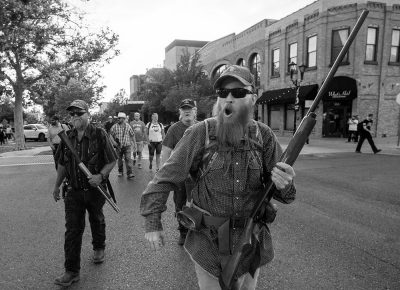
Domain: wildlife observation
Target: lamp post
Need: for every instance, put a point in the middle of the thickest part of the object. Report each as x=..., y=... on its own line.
x=297, y=83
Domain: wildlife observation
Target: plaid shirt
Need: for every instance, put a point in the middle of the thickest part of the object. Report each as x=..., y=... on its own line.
x=91, y=153
x=229, y=189
x=124, y=133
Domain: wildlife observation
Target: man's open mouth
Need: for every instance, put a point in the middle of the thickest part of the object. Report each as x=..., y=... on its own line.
x=228, y=112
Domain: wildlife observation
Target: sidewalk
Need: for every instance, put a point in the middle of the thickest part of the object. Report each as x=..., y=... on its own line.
x=316, y=146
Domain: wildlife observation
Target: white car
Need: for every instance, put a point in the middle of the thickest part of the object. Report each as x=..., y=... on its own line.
x=37, y=132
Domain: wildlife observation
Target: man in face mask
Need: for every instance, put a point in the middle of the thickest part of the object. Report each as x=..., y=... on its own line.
x=227, y=155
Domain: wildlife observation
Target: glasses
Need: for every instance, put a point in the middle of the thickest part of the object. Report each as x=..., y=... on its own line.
x=76, y=114
x=237, y=93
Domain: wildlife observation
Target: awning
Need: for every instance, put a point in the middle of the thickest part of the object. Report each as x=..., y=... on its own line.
x=288, y=95
x=341, y=88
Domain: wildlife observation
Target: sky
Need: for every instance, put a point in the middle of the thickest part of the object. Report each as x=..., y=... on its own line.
x=146, y=27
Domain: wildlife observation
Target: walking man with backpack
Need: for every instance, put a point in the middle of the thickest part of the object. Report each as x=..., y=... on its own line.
x=229, y=156
x=187, y=117
x=154, y=135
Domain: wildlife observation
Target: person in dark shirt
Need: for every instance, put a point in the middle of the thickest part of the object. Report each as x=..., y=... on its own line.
x=364, y=131
x=97, y=153
x=228, y=188
x=187, y=117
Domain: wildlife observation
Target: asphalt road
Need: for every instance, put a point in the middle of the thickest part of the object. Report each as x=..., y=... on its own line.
x=342, y=232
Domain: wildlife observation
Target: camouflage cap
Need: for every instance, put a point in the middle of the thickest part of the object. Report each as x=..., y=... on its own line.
x=78, y=104
x=187, y=103
x=238, y=72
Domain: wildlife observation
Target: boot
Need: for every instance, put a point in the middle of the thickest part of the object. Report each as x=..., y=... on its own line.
x=98, y=256
x=67, y=279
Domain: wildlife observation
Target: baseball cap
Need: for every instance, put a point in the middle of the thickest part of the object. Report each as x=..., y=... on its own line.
x=187, y=103
x=241, y=73
x=109, y=117
x=78, y=104
x=121, y=115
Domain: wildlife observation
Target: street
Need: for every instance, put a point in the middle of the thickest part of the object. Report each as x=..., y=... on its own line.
x=342, y=232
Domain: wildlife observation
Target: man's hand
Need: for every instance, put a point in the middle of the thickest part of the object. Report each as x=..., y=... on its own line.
x=56, y=194
x=282, y=175
x=156, y=240
x=95, y=180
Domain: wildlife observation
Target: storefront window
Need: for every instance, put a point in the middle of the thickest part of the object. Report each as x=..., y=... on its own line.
x=339, y=38
x=289, y=117
x=219, y=71
x=274, y=117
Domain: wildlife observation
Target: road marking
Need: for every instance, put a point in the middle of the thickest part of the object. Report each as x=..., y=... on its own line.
x=22, y=164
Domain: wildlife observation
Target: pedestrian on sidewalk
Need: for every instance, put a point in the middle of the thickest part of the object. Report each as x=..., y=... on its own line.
x=2, y=136
x=155, y=135
x=97, y=153
x=55, y=128
x=352, y=132
x=124, y=139
x=364, y=130
x=226, y=155
x=187, y=117
x=139, y=128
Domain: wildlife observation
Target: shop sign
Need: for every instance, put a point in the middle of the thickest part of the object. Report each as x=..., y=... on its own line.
x=339, y=95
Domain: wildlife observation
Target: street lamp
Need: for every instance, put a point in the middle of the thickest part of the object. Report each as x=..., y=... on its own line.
x=297, y=82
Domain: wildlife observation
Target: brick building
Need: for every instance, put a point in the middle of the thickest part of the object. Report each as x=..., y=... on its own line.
x=367, y=81
x=176, y=49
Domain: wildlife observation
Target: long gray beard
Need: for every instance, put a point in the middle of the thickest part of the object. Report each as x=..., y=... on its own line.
x=230, y=133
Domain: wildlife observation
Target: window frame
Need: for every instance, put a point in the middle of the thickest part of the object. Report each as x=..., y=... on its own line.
x=275, y=72
x=292, y=58
x=339, y=48
x=255, y=64
x=396, y=47
x=374, y=59
x=310, y=52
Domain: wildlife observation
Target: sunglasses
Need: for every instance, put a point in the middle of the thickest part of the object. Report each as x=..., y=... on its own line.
x=237, y=93
x=76, y=114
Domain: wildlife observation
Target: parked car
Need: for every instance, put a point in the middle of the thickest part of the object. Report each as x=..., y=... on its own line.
x=37, y=132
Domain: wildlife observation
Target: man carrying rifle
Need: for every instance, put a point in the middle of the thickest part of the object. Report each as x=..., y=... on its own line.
x=230, y=156
x=97, y=153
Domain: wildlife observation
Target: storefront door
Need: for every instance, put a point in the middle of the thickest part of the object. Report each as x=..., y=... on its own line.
x=335, y=119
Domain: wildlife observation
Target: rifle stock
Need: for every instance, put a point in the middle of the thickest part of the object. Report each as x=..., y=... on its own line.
x=85, y=170
x=290, y=155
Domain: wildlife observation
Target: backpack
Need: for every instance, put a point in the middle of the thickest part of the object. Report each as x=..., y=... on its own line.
x=149, y=123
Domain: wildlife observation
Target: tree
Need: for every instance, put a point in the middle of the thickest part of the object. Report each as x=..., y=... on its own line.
x=45, y=40
x=119, y=99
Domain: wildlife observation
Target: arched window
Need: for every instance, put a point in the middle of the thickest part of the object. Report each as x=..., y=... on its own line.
x=218, y=71
x=255, y=67
x=241, y=62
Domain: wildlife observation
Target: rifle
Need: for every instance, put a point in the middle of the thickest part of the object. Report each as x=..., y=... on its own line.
x=85, y=170
x=247, y=240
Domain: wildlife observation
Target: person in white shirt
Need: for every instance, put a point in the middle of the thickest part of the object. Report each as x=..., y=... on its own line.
x=154, y=135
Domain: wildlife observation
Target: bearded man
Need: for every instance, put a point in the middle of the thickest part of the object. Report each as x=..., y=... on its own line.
x=227, y=156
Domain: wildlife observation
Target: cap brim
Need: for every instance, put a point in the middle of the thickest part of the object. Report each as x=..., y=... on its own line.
x=188, y=106
x=218, y=82
x=70, y=107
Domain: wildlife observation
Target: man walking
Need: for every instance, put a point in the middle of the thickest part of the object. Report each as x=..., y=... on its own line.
x=139, y=129
x=227, y=156
x=155, y=135
x=97, y=153
x=55, y=128
x=364, y=131
x=124, y=139
x=187, y=117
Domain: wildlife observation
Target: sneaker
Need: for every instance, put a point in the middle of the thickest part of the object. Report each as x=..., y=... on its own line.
x=67, y=279
x=131, y=175
x=377, y=151
x=358, y=151
x=120, y=174
x=98, y=256
x=150, y=166
x=140, y=165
